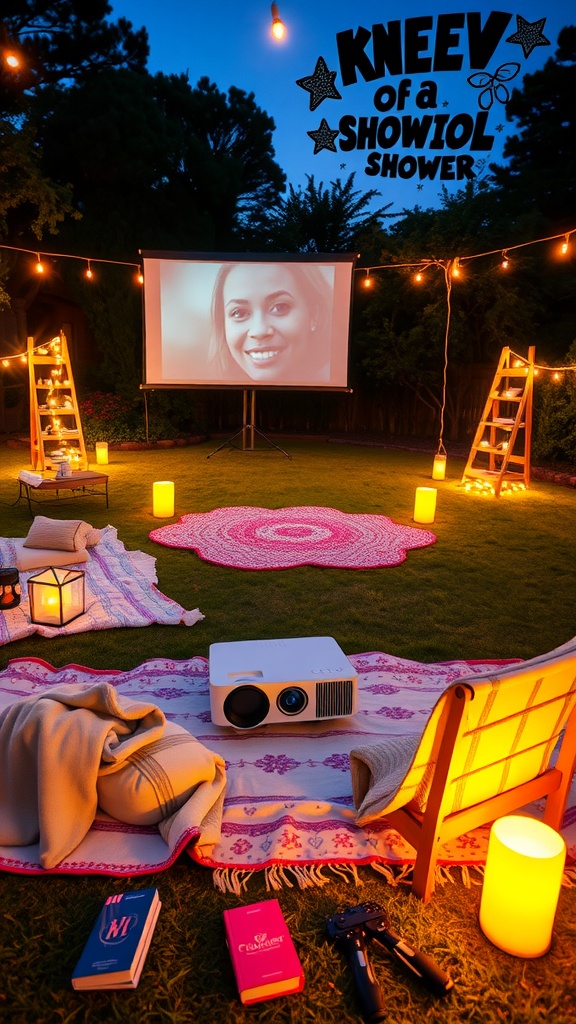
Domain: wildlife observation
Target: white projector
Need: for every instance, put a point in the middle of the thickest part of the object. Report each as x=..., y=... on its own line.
x=264, y=682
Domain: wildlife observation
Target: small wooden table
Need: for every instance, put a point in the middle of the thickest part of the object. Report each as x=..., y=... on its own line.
x=84, y=482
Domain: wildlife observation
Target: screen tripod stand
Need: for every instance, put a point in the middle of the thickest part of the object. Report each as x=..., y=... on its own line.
x=244, y=439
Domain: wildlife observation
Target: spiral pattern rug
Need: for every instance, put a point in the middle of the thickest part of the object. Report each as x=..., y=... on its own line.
x=243, y=537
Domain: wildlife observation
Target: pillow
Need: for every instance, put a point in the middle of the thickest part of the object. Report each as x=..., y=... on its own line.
x=155, y=781
x=58, y=534
x=39, y=558
x=93, y=537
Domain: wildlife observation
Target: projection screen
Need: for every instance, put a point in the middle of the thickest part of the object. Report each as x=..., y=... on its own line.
x=246, y=320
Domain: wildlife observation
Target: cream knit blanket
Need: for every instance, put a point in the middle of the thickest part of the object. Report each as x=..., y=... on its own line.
x=53, y=748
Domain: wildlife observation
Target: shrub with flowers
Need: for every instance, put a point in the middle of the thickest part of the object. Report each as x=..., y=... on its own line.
x=109, y=417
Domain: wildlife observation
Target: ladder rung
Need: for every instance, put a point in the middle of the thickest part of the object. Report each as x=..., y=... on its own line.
x=491, y=474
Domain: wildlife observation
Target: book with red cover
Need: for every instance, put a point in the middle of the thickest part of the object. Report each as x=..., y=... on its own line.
x=264, y=958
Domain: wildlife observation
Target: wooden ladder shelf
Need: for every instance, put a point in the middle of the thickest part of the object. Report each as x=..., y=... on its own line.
x=55, y=425
x=500, y=454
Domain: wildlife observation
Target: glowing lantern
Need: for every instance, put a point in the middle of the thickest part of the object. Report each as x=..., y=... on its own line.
x=102, y=453
x=56, y=596
x=439, y=467
x=522, y=880
x=9, y=587
x=425, y=505
x=163, y=499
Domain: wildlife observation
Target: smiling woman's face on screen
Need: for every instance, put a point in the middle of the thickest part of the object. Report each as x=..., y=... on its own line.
x=267, y=322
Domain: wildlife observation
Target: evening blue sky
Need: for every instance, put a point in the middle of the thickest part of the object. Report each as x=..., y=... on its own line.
x=230, y=42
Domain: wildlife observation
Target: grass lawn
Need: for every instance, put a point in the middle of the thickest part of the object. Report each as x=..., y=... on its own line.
x=499, y=583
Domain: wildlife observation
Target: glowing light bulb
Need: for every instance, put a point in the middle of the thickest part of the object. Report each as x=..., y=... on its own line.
x=5, y=362
x=278, y=26
x=418, y=277
x=12, y=61
x=39, y=266
x=89, y=273
x=367, y=280
x=565, y=245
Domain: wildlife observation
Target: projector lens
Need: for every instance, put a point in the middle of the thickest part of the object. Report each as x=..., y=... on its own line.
x=292, y=701
x=246, y=706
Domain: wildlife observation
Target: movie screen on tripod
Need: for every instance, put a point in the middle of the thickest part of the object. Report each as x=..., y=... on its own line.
x=247, y=321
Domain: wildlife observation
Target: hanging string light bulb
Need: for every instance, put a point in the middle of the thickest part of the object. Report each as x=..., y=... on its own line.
x=39, y=265
x=278, y=26
x=505, y=261
x=367, y=279
x=89, y=273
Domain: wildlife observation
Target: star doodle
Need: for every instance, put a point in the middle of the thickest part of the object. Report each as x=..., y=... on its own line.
x=324, y=137
x=446, y=103
x=342, y=167
x=528, y=34
x=499, y=127
x=320, y=85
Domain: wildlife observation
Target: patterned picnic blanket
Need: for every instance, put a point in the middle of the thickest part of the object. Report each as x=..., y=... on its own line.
x=288, y=807
x=120, y=591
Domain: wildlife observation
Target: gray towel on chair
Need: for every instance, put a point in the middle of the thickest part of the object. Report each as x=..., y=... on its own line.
x=378, y=772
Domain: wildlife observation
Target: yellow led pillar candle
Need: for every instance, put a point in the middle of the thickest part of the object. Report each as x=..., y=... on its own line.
x=522, y=880
x=163, y=499
x=439, y=467
x=102, y=453
x=425, y=505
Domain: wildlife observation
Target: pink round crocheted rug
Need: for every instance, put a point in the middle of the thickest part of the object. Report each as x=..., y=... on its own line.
x=242, y=537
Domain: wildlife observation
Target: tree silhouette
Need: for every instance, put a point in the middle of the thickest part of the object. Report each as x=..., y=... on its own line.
x=319, y=219
x=540, y=176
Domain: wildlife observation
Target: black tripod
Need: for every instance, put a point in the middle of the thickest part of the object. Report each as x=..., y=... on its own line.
x=248, y=431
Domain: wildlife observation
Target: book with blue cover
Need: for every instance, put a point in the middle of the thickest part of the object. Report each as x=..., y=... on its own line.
x=114, y=954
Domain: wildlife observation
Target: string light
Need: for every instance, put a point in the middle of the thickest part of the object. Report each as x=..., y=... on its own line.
x=69, y=256
x=89, y=273
x=367, y=280
x=505, y=261
x=278, y=26
x=12, y=61
x=458, y=261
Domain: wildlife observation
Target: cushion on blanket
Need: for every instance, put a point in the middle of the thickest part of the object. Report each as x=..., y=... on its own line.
x=157, y=780
x=38, y=558
x=93, y=537
x=58, y=534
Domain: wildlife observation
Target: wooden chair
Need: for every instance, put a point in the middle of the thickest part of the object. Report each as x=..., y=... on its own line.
x=486, y=751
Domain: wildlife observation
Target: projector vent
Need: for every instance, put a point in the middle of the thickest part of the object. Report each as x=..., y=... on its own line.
x=334, y=698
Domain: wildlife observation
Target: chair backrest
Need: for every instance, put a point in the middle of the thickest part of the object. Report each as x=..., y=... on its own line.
x=511, y=723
